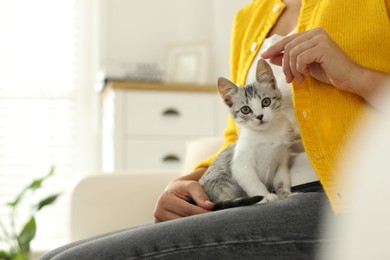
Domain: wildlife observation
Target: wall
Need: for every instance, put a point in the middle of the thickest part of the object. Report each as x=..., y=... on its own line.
x=139, y=31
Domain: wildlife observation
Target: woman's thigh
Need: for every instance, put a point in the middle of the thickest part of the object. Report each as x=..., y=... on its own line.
x=285, y=229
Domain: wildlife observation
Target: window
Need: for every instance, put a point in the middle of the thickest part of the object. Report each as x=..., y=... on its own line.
x=45, y=102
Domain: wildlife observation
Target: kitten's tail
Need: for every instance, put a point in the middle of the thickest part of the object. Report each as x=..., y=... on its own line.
x=245, y=201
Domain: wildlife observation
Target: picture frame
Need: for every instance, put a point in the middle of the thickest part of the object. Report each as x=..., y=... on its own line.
x=187, y=64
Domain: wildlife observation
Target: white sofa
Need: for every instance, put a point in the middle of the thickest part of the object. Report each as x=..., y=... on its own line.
x=105, y=202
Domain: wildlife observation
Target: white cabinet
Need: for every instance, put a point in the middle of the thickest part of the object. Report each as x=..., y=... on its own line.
x=146, y=126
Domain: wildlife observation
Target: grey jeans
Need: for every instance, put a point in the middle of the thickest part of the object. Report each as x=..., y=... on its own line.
x=285, y=229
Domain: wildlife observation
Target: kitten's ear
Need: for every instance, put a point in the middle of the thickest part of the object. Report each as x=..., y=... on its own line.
x=226, y=90
x=264, y=72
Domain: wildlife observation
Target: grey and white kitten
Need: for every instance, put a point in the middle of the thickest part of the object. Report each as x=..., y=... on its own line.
x=256, y=167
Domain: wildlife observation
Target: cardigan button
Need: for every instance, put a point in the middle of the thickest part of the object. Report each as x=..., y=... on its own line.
x=276, y=8
x=253, y=47
x=304, y=114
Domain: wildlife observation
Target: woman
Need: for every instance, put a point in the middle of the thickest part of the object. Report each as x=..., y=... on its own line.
x=336, y=57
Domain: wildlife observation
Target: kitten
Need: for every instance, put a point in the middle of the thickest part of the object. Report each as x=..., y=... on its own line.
x=256, y=167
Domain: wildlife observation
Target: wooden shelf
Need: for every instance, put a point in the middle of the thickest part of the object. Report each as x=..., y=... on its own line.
x=131, y=85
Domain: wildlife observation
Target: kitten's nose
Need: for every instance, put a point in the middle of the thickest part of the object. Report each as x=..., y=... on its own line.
x=260, y=117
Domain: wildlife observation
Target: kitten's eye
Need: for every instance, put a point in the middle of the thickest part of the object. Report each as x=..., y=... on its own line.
x=266, y=102
x=246, y=110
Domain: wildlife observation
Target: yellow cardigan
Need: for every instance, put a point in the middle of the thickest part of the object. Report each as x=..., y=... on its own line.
x=324, y=114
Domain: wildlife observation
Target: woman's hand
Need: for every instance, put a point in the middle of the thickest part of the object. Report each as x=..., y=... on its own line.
x=181, y=198
x=313, y=53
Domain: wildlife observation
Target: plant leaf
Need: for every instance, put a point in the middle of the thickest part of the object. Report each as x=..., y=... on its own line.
x=47, y=201
x=26, y=235
x=35, y=184
x=18, y=199
x=19, y=256
x=4, y=255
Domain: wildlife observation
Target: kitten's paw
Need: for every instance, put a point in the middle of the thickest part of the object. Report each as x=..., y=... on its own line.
x=269, y=198
x=284, y=194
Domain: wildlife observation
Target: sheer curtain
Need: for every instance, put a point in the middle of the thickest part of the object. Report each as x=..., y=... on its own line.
x=47, y=114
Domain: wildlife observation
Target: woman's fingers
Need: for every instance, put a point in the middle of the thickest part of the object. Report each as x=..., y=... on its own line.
x=179, y=199
x=296, y=54
x=200, y=198
x=277, y=59
x=176, y=208
x=164, y=216
x=292, y=48
x=302, y=55
x=309, y=62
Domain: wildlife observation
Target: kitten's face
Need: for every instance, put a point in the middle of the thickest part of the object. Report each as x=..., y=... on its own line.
x=257, y=105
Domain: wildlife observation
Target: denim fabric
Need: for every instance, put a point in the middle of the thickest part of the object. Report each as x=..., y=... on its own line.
x=285, y=229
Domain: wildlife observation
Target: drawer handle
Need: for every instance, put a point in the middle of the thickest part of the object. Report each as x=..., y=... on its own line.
x=171, y=112
x=171, y=158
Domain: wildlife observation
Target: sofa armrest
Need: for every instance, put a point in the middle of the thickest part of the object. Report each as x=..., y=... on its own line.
x=200, y=149
x=106, y=202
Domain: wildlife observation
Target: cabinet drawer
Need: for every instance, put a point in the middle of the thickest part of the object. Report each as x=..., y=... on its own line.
x=154, y=154
x=169, y=113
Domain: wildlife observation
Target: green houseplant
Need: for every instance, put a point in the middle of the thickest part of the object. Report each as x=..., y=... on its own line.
x=15, y=243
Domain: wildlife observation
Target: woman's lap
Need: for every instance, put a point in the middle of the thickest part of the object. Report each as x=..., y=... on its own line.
x=285, y=229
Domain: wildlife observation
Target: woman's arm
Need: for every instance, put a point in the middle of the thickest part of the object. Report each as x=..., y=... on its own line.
x=313, y=53
x=368, y=83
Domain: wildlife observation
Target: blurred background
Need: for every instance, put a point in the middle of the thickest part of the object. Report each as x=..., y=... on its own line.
x=70, y=78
